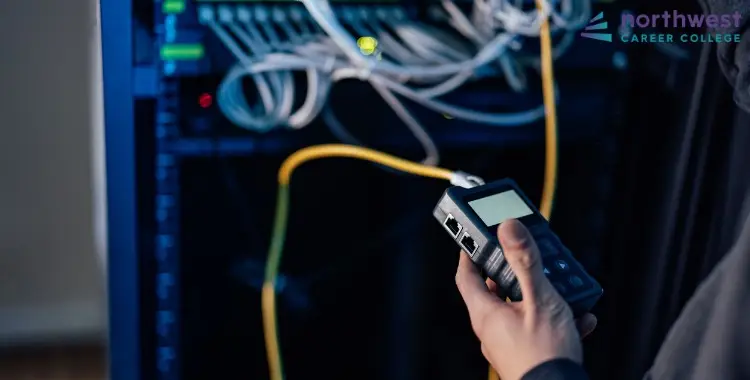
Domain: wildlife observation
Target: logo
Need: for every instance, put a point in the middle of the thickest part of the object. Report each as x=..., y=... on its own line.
x=594, y=24
x=668, y=27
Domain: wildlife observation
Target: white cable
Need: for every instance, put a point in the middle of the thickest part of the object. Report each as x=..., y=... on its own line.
x=279, y=17
x=446, y=86
x=417, y=44
x=236, y=109
x=279, y=98
x=298, y=18
x=321, y=10
x=501, y=120
x=317, y=87
x=324, y=16
x=276, y=61
x=432, y=155
x=429, y=58
x=508, y=65
x=513, y=73
x=282, y=83
x=279, y=61
x=432, y=42
x=274, y=41
x=393, y=48
x=462, y=24
x=378, y=24
x=504, y=120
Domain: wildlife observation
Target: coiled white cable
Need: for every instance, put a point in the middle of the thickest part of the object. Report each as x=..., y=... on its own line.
x=278, y=97
x=233, y=106
x=419, y=57
x=275, y=61
x=282, y=83
x=344, y=70
x=318, y=86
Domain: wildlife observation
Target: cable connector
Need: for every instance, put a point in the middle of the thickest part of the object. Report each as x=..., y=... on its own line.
x=226, y=15
x=244, y=14
x=205, y=14
x=465, y=180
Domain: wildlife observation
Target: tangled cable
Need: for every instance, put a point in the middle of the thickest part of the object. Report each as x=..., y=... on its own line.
x=404, y=59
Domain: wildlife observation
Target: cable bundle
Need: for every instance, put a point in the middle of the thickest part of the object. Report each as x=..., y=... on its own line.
x=250, y=34
x=404, y=58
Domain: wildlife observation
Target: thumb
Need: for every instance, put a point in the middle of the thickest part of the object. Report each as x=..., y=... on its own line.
x=525, y=260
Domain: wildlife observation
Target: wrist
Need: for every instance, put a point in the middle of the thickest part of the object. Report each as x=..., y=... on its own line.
x=556, y=369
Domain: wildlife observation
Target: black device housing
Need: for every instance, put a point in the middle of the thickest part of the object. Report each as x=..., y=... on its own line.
x=574, y=284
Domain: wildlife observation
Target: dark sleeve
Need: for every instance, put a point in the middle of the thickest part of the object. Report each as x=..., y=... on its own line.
x=710, y=338
x=558, y=369
x=734, y=57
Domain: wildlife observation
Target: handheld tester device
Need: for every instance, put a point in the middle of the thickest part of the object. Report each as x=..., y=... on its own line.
x=472, y=215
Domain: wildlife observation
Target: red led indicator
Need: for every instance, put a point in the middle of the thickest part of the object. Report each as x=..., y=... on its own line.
x=205, y=100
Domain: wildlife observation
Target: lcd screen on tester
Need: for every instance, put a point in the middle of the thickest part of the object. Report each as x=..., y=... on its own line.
x=500, y=207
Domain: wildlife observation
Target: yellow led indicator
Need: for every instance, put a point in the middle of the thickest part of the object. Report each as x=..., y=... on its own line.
x=367, y=45
x=173, y=6
x=449, y=117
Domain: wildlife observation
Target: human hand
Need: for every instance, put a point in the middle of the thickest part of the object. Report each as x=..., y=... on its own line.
x=516, y=337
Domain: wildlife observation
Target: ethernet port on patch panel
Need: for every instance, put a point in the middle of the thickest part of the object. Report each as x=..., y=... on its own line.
x=452, y=225
x=468, y=244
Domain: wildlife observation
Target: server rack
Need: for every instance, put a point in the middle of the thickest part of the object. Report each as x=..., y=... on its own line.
x=147, y=144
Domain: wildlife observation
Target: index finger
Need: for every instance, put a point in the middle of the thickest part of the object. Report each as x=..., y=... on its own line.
x=478, y=298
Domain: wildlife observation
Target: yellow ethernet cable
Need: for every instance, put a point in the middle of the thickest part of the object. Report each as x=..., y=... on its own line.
x=548, y=93
x=268, y=296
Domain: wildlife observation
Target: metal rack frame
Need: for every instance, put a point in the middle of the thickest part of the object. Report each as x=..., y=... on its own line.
x=121, y=77
x=122, y=273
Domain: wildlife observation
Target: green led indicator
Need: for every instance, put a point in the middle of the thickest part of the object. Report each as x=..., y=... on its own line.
x=173, y=6
x=181, y=52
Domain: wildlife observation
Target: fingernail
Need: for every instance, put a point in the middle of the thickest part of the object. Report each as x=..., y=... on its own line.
x=514, y=231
